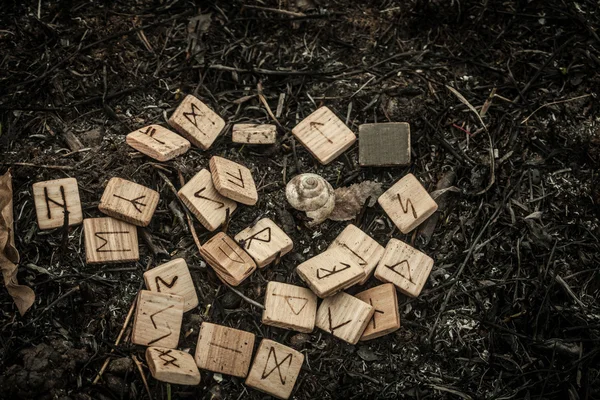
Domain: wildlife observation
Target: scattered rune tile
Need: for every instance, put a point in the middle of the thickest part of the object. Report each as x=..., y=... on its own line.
x=386, y=318
x=407, y=203
x=275, y=369
x=362, y=246
x=108, y=240
x=324, y=135
x=197, y=122
x=254, y=133
x=157, y=320
x=52, y=198
x=224, y=350
x=172, y=366
x=405, y=267
x=228, y=259
x=173, y=277
x=384, y=144
x=290, y=307
x=264, y=241
x=157, y=142
x=128, y=201
x=344, y=316
x=331, y=271
x=233, y=180
x=203, y=200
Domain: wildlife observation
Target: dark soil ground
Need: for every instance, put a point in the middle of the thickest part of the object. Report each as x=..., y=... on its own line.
x=511, y=308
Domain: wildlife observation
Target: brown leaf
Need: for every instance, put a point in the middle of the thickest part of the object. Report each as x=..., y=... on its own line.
x=350, y=200
x=23, y=296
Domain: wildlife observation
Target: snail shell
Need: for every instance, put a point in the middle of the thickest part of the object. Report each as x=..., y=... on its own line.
x=309, y=192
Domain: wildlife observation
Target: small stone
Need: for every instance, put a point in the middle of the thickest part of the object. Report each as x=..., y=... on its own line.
x=230, y=300
x=121, y=366
x=299, y=340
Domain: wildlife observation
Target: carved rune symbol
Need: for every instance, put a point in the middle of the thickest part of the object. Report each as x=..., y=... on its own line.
x=135, y=202
x=163, y=354
x=169, y=285
x=49, y=200
x=277, y=366
x=260, y=239
x=199, y=195
x=156, y=327
x=300, y=302
x=225, y=347
x=101, y=248
x=375, y=313
x=315, y=126
x=362, y=260
x=331, y=327
x=150, y=133
x=239, y=178
x=241, y=260
x=328, y=273
x=404, y=270
x=405, y=207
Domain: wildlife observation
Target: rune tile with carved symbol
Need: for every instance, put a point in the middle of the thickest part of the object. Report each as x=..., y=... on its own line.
x=157, y=320
x=197, y=122
x=264, y=241
x=173, y=277
x=53, y=198
x=344, y=316
x=157, y=142
x=289, y=307
x=172, y=366
x=254, y=133
x=233, y=180
x=108, y=240
x=386, y=318
x=128, y=201
x=231, y=263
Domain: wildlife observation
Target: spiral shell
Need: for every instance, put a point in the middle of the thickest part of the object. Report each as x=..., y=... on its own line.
x=309, y=192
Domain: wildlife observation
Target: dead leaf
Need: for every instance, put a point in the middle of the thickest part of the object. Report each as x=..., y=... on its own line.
x=350, y=200
x=197, y=26
x=22, y=295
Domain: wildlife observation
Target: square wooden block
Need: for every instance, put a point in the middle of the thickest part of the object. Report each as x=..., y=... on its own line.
x=158, y=142
x=227, y=258
x=264, y=242
x=290, y=307
x=51, y=198
x=254, y=133
x=386, y=318
x=384, y=144
x=203, y=200
x=157, y=320
x=128, y=201
x=344, y=316
x=233, y=180
x=224, y=350
x=108, y=240
x=405, y=267
x=198, y=123
x=324, y=135
x=172, y=366
x=362, y=246
x=173, y=278
x=407, y=203
x=331, y=271
x=275, y=369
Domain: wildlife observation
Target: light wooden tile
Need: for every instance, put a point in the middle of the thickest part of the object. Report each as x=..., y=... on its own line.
x=128, y=201
x=224, y=350
x=108, y=240
x=324, y=135
x=197, y=122
x=264, y=242
x=226, y=257
x=386, y=318
x=158, y=142
x=407, y=203
x=344, y=316
x=172, y=366
x=52, y=197
x=384, y=144
x=254, y=133
x=331, y=271
x=275, y=369
x=290, y=307
x=203, y=200
x=173, y=277
x=405, y=267
x=233, y=180
x=157, y=320
x=362, y=246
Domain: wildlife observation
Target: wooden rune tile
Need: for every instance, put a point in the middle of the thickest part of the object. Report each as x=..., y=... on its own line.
x=264, y=241
x=344, y=316
x=331, y=271
x=128, y=201
x=386, y=318
x=384, y=144
x=254, y=133
x=157, y=320
x=275, y=369
x=407, y=203
x=172, y=366
x=197, y=122
x=233, y=180
x=224, y=350
x=290, y=307
x=203, y=200
x=324, y=135
x=173, y=277
x=405, y=267
x=108, y=240
x=158, y=142
x=227, y=258
x=52, y=198
x=362, y=246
